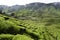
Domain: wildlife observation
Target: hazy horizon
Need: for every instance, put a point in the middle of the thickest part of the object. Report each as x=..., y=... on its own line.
x=23, y=2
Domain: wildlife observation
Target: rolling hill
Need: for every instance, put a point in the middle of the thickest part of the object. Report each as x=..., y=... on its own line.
x=34, y=21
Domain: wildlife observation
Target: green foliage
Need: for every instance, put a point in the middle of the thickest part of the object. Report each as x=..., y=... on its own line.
x=39, y=23
x=21, y=37
x=29, y=29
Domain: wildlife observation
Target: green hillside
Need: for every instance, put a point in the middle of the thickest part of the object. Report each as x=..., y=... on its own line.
x=34, y=21
x=33, y=11
x=15, y=29
x=36, y=14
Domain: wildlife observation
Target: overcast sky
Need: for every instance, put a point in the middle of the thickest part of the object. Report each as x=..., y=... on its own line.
x=23, y=2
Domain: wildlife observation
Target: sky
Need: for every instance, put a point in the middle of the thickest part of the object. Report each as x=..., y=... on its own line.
x=23, y=2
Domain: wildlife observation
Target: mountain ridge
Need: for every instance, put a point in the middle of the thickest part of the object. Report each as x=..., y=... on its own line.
x=32, y=10
x=34, y=3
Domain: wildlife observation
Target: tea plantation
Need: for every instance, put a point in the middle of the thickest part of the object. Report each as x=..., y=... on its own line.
x=15, y=29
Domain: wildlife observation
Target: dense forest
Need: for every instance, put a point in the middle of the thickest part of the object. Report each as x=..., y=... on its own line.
x=34, y=21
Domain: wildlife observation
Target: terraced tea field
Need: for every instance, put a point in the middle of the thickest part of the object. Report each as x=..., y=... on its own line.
x=14, y=29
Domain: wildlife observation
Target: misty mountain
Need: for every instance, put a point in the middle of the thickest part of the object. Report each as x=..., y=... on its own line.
x=16, y=8
x=32, y=6
x=33, y=10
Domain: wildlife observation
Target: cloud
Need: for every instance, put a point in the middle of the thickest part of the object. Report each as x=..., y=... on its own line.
x=23, y=2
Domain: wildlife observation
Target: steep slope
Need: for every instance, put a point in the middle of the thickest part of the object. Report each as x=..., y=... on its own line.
x=40, y=22
x=28, y=29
